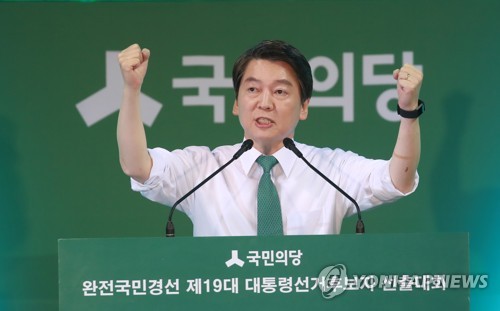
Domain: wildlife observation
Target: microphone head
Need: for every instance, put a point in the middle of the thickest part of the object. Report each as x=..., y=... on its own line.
x=288, y=142
x=247, y=144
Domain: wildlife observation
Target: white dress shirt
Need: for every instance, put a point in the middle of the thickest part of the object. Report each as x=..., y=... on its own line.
x=227, y=204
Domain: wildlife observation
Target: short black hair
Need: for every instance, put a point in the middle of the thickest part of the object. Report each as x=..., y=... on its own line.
x=276, y=50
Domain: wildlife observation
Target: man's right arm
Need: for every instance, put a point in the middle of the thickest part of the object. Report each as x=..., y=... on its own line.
x=132, y=144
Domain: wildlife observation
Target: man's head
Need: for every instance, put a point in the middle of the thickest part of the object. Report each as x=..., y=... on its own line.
x=276, y=50
x=273, y=85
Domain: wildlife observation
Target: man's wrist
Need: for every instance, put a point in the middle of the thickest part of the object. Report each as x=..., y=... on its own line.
x=412, y=114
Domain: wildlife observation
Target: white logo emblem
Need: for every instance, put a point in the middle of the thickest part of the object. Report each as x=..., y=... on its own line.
x=107, y=101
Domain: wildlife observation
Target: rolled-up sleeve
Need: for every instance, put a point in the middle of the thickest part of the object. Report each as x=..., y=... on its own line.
x=369, y=181
x=158, y=157
x=383, y=187
x=174, y=173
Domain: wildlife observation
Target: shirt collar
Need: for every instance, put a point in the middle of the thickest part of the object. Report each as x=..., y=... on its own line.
x=285, y=157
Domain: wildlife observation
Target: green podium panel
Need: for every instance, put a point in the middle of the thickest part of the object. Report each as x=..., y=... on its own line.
x=340, y=272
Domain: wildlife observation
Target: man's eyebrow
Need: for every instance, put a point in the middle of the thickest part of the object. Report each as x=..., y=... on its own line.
x=279, y=81
x=251, y=79
x=284, y=81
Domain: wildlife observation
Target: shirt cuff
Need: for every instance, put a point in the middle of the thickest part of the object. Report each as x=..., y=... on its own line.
x=158, y=158
x=390, y=190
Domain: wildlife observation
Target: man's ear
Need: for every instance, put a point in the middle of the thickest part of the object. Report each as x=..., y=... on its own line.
x=235, y=108
x=304, y=109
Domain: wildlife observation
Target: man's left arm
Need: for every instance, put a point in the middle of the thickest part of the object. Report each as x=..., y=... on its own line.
x=406, y=155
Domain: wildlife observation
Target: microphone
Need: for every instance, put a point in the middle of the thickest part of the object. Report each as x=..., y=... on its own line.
x=245, y=146
x=360, y=226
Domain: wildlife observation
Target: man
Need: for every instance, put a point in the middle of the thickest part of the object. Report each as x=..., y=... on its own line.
x=273, y=86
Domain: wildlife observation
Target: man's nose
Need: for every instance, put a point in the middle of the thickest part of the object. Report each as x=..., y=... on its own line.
x=266, y=101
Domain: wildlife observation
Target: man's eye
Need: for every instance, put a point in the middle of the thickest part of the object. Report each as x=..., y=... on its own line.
x=281, y=92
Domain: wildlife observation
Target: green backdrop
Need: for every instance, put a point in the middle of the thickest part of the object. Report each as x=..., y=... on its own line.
x=60, y=177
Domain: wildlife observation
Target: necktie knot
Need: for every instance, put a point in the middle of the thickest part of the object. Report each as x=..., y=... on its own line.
x=267, y=163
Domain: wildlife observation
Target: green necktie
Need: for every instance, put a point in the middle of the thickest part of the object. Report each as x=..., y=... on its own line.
x=268, y=203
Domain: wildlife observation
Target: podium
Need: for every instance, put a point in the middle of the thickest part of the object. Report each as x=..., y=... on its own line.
x=336, y=272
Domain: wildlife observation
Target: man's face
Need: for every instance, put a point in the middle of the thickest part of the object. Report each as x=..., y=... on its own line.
x=269, y=105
